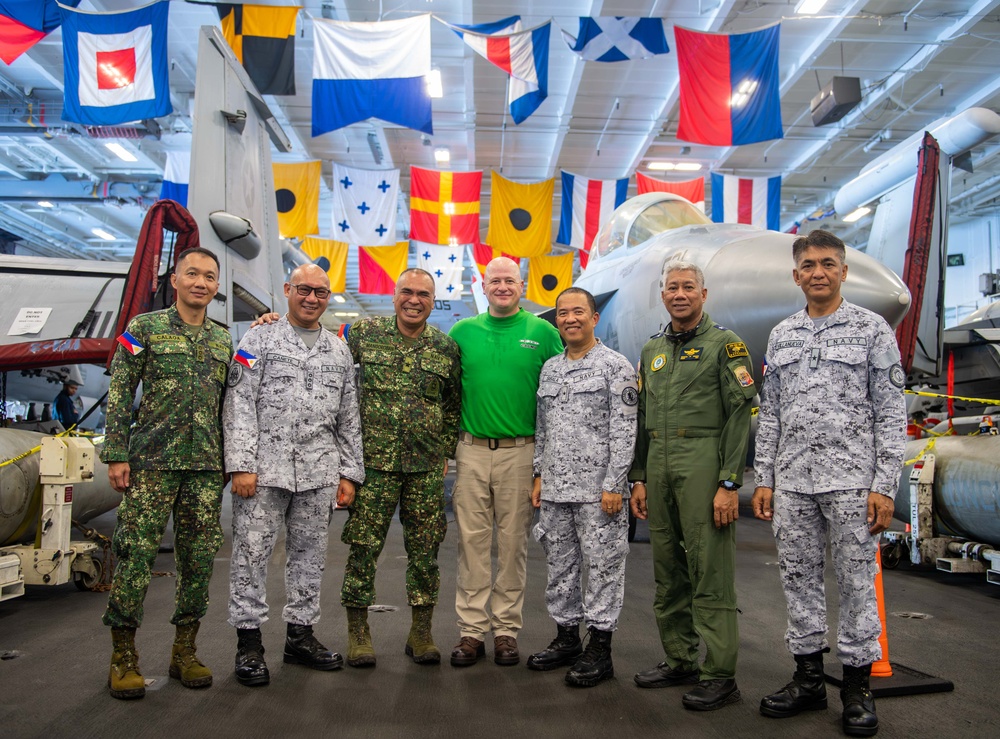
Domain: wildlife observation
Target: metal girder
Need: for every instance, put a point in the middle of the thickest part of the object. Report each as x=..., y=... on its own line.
x=56, y=188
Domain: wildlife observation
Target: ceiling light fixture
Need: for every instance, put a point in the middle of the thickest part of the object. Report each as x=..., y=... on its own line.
x=433, y=81
x=670, y=166
x=124, y=154
x=101, y=233
x=809, y=7
x=45, y=204
x=688, y=166
x=743, y=93
x=339, y=299
x=856, y=215
x=442, y=155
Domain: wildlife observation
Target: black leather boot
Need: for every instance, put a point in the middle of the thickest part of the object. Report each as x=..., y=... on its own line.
x=302, y=648
x=710, y=695
x=859, y=717
x=806, y=691
x=594, y=664
x=251, y=669
x=563, y=650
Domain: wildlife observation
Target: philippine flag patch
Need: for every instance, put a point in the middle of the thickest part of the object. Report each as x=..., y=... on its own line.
x=129, y=342
x=245, y=358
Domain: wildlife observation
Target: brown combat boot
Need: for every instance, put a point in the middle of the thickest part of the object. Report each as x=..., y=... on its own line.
x=360, y=652
x=184, y=663
x=420, y=644
x=124, y=679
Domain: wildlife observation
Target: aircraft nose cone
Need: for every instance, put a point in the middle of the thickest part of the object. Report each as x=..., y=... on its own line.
x=873, y=285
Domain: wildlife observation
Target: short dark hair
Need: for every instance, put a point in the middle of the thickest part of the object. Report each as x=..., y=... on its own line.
x=417, y=270
x=820, y=239
x=579, y=291
x=196, y=250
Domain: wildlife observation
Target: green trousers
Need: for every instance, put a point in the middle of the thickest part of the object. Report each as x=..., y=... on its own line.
x=694, y=563
x=195, y=499
x=420, y=497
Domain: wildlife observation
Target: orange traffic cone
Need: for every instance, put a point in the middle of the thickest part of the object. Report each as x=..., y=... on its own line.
x=882, y=668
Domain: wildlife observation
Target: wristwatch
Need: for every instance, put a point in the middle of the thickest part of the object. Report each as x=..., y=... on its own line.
x=730, y=486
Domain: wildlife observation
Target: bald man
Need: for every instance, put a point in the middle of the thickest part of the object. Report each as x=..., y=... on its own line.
x=293, y=445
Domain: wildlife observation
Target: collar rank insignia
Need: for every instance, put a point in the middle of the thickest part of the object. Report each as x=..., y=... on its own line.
x=245, y=358
x=132, y=346
x=691, y=355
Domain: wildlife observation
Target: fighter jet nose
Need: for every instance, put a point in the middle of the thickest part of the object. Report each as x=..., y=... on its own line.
x=876, y=287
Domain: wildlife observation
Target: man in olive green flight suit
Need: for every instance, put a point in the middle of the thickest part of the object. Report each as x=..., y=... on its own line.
x=169, y=460
x=696, y=389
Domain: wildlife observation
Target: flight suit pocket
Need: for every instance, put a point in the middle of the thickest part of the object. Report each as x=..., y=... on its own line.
x=847, y=368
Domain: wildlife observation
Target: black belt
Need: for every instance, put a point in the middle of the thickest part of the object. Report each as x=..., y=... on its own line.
x=494, y=444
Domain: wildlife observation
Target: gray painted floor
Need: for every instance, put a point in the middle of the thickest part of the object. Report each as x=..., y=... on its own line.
x=54, y=686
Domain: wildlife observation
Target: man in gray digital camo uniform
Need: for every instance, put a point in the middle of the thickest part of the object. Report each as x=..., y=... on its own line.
x=584, y=442
x=292, y=443
x=830, y=443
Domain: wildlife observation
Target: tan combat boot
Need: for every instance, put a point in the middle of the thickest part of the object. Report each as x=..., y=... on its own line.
x=124, y=680
x=420, y=644
x=360, y=652
x=184, y=663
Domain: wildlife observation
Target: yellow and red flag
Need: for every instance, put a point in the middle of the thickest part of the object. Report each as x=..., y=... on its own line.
x=335, y=253
x=484, y=254
x=380, y=266
x=444, y=206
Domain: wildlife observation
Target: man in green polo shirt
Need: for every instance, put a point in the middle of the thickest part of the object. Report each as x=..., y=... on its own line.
x=503, y=351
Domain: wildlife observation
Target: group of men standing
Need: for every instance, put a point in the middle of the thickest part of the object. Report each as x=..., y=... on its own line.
x=529, y=423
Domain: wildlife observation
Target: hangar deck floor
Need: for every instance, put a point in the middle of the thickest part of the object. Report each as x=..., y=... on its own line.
x=52, y=677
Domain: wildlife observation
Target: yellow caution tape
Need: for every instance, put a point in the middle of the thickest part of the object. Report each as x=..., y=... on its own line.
x=927, y=447
x=19, y=457
x=984, y=401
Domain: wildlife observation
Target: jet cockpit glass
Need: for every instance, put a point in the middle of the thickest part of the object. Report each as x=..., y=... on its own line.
x=644, y=216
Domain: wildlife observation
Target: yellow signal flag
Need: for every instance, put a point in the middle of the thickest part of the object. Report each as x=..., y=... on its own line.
x=549, y=276
x=335, y=253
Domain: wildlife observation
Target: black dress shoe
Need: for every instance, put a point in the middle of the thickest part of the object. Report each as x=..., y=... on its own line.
x=664, y=676
x=711, y=694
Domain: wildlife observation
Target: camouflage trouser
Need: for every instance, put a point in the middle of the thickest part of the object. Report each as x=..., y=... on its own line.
x=256, y=521
x=801, y=525
x=568, y=532
x=196, y=500
x=420, y=496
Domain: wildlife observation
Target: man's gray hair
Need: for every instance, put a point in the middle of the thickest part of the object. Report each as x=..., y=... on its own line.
x=678, y=265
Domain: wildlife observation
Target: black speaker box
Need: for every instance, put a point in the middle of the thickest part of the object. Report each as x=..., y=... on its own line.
x=835, y=100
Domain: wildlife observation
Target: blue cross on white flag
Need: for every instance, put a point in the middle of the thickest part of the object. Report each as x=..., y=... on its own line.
x=616, y=39
x=445, y=264
x=364, y=205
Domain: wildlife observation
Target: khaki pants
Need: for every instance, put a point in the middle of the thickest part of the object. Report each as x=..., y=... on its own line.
x=492, y=486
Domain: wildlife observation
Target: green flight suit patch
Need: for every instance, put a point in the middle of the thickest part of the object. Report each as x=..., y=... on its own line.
x=737, y=349
x=658, y=361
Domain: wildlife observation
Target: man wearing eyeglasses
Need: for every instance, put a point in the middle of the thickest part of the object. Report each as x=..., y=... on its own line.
x=293, y=446
x=410, y=397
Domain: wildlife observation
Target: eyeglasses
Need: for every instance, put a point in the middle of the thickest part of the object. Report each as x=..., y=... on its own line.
x=321, y=292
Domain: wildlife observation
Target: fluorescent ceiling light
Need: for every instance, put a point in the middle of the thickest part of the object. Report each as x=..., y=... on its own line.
x=45, y=204
x=433, y=81
x=339, y=299
x=857, y=214
x=124, y=154
x=670, y=166
x=809, y=7
x=442, y=155
x=100, y=232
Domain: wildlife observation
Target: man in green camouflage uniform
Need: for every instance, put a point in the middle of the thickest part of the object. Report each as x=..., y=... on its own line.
x=410, y=409
x=169, y=461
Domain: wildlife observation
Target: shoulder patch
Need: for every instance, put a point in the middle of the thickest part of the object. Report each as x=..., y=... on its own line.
x=131, y=344
x=897, y=376
x=630, y=395
x=244, y=358
x=235, y=374
x=743, y=376
x=737, y=349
